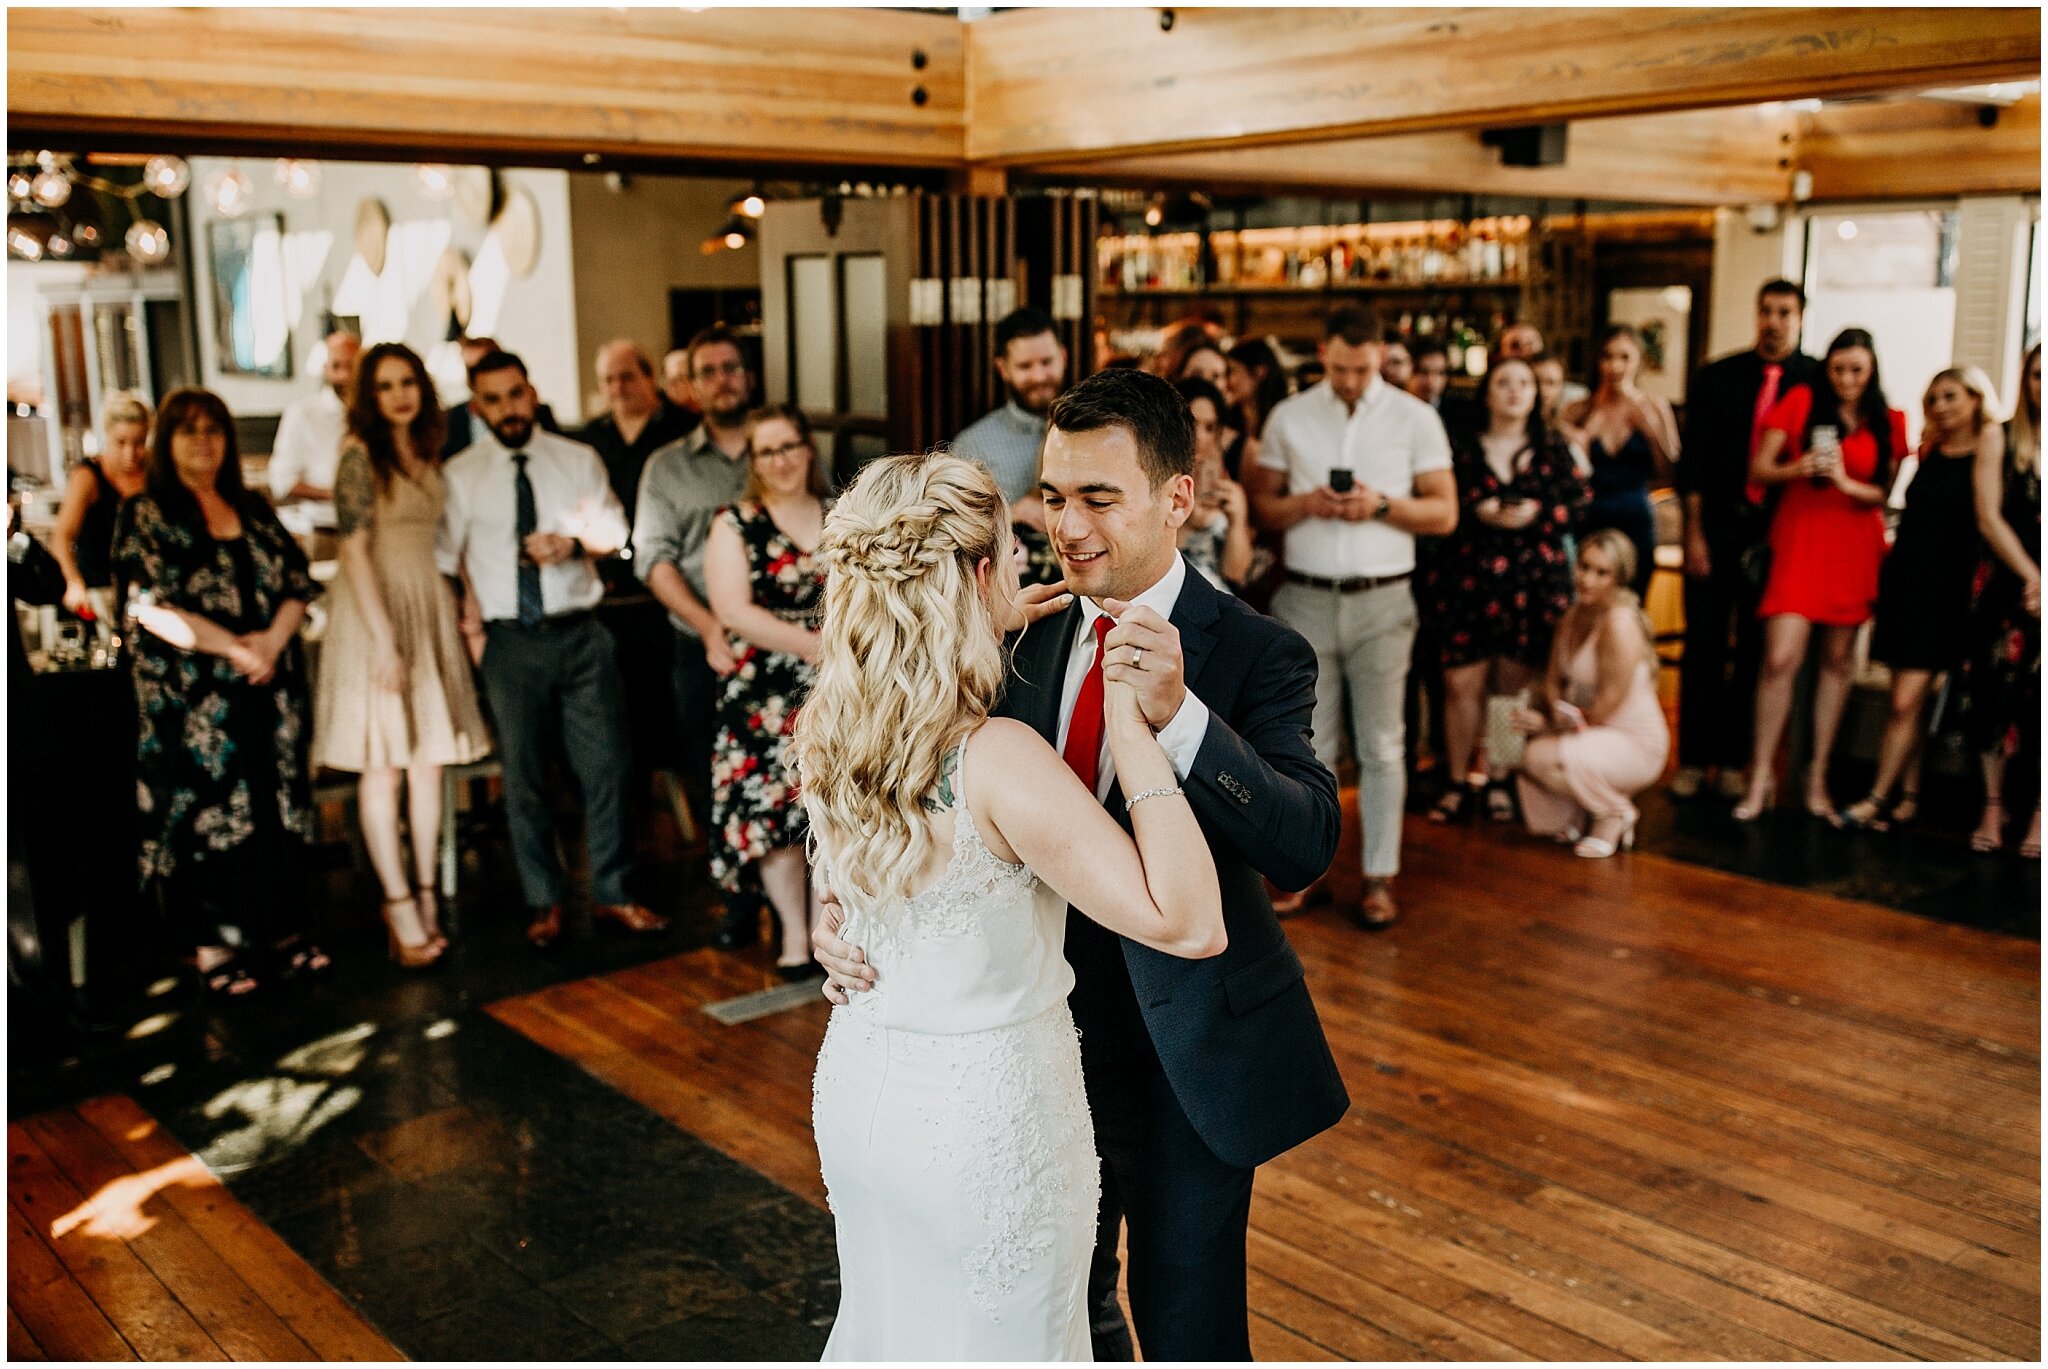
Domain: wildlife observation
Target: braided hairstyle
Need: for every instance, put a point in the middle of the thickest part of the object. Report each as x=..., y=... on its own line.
x=911, y=660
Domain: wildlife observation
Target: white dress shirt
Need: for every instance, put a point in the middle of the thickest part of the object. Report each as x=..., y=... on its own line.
x=1386, y=440
x=307, y=449
x=1181, y=738
x=572, y=495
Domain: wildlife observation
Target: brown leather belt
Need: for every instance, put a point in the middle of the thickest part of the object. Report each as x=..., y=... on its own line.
x=1350, y=584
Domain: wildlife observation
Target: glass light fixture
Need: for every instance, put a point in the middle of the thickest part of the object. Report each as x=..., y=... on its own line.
x=229, y=192
x=435, y=180
x=299, y=176
x=86, y=234
x=20, y=185
x=147, y=241
x=166, y=177
x=748, y=204
x=51, y=188
x=58, y=245
x=23, y=243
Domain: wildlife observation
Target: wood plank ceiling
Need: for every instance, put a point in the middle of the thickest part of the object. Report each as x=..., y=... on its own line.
x=1668, y=105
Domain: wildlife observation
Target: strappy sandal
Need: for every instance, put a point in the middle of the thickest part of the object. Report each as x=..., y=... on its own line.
x=1456, y=805
x=1985, y=845
x=1868, y=813
x=301, y=958
x=427, y=900
x=1907, y=808
x=2030, y=845
x=1500, y=802
x=231, y=979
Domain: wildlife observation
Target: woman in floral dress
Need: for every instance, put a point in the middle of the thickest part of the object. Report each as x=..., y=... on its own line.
x=218, y=590
x=767, y=591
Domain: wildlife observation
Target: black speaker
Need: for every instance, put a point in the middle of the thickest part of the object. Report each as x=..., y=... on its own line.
x=1529, y=145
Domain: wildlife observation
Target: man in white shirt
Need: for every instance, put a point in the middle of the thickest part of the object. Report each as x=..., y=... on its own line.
x=307, y=449
x=1353, y=470
x=527, y=513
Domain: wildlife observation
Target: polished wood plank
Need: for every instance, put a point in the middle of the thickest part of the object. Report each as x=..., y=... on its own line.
x=1623, y=1109
x=300, y=1300
x=20, y=1344
x=1053, y=83
x=805, y=87
x=42, y=1293
x=208, y=1287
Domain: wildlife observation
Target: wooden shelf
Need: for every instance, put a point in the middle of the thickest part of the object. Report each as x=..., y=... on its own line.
x=1504, y=284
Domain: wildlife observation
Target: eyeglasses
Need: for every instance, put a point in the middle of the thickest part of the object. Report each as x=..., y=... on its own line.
x=723, y=368
x=787, y=449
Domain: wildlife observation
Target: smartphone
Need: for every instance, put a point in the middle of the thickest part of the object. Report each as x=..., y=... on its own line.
x=1341, y=479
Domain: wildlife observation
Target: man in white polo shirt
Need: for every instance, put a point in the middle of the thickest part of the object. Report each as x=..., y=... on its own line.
x=1352, y=470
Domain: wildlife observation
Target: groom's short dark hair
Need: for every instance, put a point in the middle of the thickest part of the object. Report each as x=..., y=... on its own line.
x=1142, y=404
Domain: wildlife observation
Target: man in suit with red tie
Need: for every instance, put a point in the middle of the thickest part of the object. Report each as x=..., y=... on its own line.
x=1198, y=1071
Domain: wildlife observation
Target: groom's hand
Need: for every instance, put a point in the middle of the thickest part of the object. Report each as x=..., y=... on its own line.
x=846, y=967
x=1143, y=651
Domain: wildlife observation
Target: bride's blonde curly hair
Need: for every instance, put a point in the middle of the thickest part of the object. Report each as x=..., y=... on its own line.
x=912, y=660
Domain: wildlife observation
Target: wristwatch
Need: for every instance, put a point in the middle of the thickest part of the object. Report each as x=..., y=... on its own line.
x=1386, y=506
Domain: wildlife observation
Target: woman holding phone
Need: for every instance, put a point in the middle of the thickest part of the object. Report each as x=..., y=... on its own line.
x=1827, y=450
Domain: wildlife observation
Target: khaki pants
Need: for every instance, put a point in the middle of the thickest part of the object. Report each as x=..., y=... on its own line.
x=1362, y=642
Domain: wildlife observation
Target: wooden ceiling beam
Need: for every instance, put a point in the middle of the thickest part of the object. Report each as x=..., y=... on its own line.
x=1069, y=84
x=723, y=85
x=1915, y=149
x=1704, y=157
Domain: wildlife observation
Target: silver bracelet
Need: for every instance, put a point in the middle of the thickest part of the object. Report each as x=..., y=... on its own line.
x=1136, y=799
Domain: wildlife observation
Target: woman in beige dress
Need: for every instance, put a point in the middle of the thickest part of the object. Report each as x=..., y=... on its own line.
x=395, y=700
x=1598, y=734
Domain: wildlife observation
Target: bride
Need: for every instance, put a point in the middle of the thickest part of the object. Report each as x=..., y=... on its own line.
x=951, y=1123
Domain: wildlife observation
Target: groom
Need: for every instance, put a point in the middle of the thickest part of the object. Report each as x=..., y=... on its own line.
x=1197, y=1071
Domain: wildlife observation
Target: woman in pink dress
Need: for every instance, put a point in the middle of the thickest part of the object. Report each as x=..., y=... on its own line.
x=1598, y=734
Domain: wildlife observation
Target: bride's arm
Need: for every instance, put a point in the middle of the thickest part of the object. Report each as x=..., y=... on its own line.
x=1160, y=891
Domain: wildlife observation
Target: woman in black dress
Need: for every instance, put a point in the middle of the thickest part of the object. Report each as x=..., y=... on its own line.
x=2002, y=687
x=219, y=590
x=1630, y=435
x=1500, y=583
x=83, y=540
x=1924, y=588
x=768, y=592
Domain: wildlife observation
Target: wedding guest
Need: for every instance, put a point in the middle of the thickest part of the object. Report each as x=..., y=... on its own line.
x=683, y=487
x=1254, y=382
x=1033, y=367
x=768, y=592
x=1727, y=525
x=461, y=418
x=220, y=590
x=83, y=541
x=396, y=701
x=1398, y=364
x=307, y=448
x=2002, y=684
x=1598, y=735
x=637, y=420
x=1925, y=588
x=1206, y=362
x=1501, y=581
x=1217, y=537
x=1826, y=543
x=525, y=513
x=1630, y=435
x=1350, y=556
x=676, y=385
x=1430, y=373
x=1180, y=340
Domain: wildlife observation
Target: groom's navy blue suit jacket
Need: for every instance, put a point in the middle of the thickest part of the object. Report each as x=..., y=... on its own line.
x=1237, y=1034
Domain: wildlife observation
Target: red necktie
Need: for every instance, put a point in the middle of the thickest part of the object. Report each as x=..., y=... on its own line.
x=1084, y=728
x=1765, y=398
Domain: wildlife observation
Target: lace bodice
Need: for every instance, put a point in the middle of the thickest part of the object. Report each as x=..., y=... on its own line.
x=982, y=947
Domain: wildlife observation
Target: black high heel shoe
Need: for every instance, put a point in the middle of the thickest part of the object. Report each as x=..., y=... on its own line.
x=1458, y=804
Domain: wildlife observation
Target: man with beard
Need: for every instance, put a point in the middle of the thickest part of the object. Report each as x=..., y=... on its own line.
x=1033, y=366
x=682, y=489
x=527, y=514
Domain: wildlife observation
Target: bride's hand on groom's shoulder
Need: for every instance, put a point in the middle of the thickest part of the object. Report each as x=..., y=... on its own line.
x=1036, y=602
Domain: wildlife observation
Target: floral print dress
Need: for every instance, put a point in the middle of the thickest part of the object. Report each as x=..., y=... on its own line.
x=1495, y=593
x=2002, y=679
x=218, y=757
x=754, y=808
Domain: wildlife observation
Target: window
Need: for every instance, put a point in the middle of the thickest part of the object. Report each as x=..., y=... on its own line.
x=1891, y=272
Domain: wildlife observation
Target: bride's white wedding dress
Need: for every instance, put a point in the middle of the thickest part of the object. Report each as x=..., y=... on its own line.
x=952, y=1126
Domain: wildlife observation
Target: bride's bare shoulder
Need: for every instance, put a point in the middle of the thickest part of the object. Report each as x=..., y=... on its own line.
x=1007, y=741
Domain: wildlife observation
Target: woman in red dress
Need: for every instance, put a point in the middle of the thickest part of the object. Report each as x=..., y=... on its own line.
x=1826, y=543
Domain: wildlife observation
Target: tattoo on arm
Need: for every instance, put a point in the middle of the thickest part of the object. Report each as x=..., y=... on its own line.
x=945, y=798
x=355, y=493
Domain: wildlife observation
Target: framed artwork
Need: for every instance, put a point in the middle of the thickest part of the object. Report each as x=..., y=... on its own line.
x=251, y=333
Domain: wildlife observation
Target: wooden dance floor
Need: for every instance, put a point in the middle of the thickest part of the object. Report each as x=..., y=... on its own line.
x=1622, y=1109
x=121, y=1246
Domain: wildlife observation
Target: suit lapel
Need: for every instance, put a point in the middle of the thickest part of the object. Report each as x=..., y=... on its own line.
x=1039, y=669
x=1195, y=614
